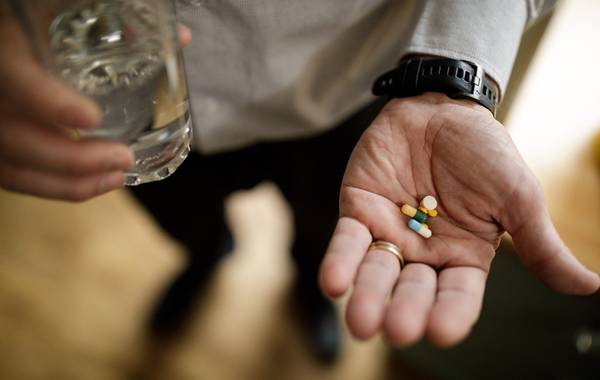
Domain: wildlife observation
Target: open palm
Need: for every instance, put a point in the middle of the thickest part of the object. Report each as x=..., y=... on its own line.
x=456, y=151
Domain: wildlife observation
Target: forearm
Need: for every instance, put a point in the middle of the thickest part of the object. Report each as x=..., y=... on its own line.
x=487, y=32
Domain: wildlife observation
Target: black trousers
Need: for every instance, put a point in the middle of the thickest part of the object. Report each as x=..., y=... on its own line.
x=308, y=171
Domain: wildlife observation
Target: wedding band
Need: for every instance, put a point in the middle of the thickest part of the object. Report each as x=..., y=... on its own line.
x=389, y=247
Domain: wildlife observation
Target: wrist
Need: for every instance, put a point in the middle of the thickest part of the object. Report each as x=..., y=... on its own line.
x=441, y=99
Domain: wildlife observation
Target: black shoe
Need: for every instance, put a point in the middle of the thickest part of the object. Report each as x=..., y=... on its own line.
x=171, y=313
x=173, y=309
x=318, y=317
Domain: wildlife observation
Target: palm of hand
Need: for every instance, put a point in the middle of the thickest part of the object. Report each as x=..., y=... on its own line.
x=440, y=157
x=457, y=152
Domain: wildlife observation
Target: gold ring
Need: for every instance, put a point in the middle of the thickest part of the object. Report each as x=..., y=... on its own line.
x=389, y=247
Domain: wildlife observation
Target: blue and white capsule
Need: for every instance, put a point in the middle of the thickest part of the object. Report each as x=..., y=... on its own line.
x=419, y=228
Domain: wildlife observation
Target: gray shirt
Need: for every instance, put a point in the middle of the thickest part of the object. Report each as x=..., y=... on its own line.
x=261, y=70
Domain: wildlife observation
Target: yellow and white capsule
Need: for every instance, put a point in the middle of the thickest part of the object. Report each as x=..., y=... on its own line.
x=419, y=228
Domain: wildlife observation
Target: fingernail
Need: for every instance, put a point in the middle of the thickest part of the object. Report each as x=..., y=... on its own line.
x=111, y=181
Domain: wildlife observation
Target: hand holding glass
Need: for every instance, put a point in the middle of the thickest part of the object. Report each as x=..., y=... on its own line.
x=124, y=54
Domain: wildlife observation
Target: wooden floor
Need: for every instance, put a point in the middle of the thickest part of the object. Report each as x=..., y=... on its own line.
x=77, y=283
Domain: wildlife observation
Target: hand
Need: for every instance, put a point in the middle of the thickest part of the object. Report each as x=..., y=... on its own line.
x=456, y=151
x=38, y=116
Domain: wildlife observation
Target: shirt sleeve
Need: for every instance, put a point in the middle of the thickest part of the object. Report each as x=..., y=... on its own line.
x=487, y=32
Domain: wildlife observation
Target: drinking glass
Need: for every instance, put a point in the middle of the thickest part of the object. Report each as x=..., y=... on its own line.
x=125, y=55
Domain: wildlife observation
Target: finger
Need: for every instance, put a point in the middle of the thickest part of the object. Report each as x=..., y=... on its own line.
x=185, y=35
x=384, y=220
x=348, y=245
x=45, y=149
x=27, y=85
x=457, y=305
x=408, y=312
x=375, y=279
x=42, y=184
x=541, y=249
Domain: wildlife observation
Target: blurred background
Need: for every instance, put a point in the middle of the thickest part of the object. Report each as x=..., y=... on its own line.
x=77, y=281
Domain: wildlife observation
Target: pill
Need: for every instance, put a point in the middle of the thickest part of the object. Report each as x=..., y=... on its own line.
x=412, y=212
x=432, y=213
x=429, y=202
x=419, y=228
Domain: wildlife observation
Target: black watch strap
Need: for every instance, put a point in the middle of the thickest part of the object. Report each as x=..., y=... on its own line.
x=455, y=78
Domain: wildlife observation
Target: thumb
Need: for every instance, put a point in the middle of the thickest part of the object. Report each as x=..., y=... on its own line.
x=540, y=247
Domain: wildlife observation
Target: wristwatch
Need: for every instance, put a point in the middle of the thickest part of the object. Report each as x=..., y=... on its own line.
x=456, y=78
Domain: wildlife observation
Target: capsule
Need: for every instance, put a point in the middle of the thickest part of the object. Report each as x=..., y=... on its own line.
x=412, y=212
x=419, y=228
